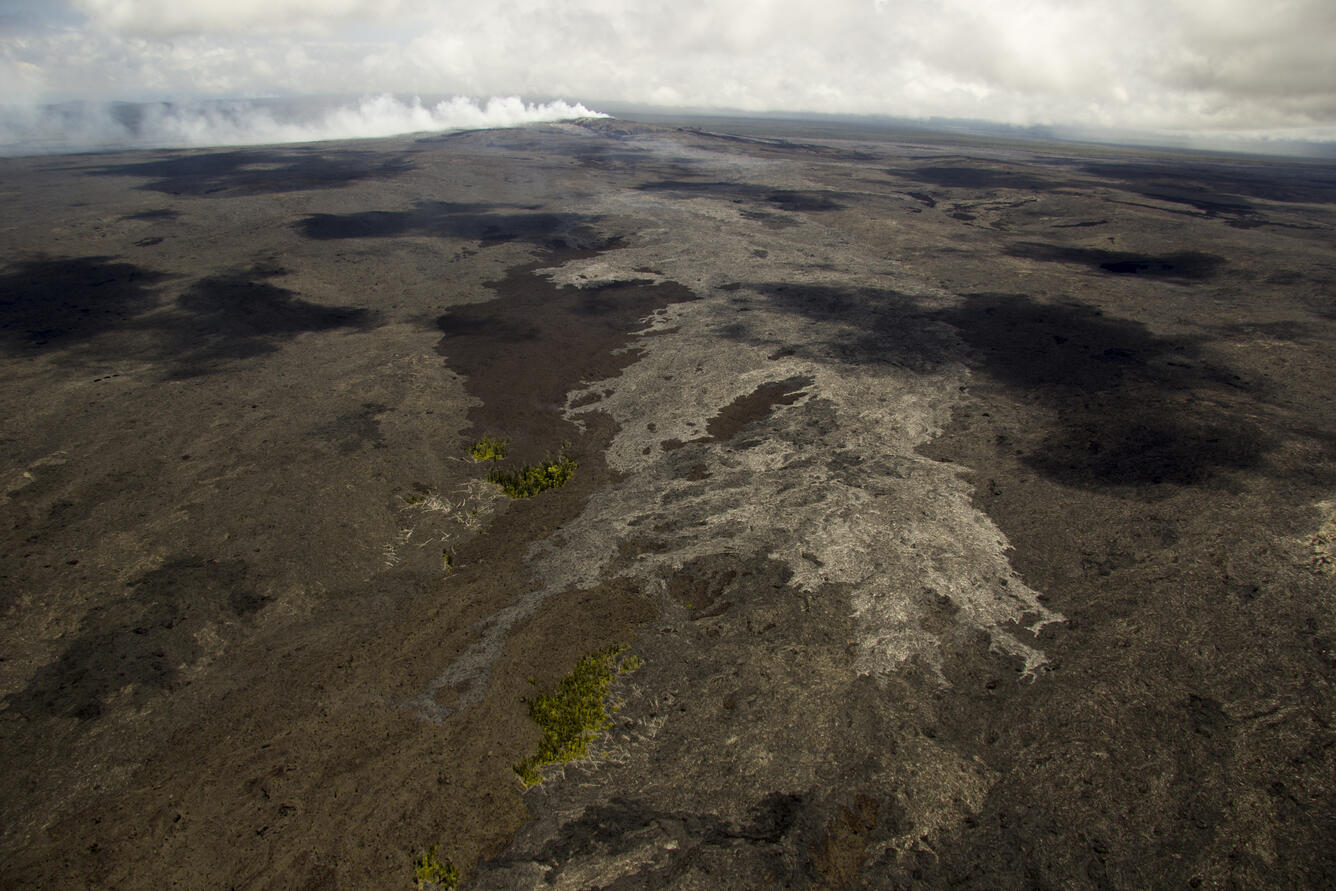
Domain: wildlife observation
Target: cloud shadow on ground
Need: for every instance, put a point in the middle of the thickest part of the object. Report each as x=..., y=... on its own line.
x=1121, y=407
x=1183, y=265
x=52, y=304
x=872, y=326
x=257, y=171
x=487, y=223
x=800, y=200
x=978, y=178
x=1123, y=401
x=1222, y=189
x=96, y=308
x=241, y=315
x=135, y=647
x=163, y=215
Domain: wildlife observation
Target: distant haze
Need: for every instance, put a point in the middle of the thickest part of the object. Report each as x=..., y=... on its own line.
x=1203, y=69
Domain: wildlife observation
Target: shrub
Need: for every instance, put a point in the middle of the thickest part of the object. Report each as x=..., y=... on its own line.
x=430, y=871
x=575, y=712
x=489, y=448
x=529, y=480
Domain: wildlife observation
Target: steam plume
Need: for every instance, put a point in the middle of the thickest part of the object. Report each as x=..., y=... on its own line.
x=79, y=127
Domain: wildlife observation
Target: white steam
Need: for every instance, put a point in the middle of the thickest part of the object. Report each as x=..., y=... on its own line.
x=80, y=127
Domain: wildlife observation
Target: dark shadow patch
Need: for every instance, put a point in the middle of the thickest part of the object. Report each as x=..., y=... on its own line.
x=1068, y=348
x=1124, y=400
x=489, y=224
x=257, y=171
x=878, y=326
x=93, y=307
x=54, y=304
x=240, y=315
x=1223, y=189
x=1209, y=202
x=153, y=216
x=798, y=200
x=355, y=430
x=1147, y=448
x=769, y=220
x=132, y=648
x=976, y=177
x=1184, y=265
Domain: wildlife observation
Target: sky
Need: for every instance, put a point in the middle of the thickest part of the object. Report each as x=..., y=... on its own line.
x=1187, y=66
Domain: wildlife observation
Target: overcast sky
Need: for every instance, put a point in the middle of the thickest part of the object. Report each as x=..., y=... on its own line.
x=1212, y=65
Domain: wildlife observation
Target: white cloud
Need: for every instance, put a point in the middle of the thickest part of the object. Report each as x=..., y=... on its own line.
x=171, y=17
x=1186, y=64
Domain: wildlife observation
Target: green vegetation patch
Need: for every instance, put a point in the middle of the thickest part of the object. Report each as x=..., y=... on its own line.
x=575, y=712
x=430, y=871
x=529, y=480
x=489, y=448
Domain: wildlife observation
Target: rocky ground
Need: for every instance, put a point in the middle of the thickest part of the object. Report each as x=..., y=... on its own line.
x=964, y=502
